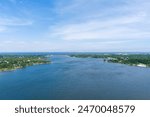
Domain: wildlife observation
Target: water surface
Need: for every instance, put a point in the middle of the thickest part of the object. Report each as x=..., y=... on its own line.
x=76, y=78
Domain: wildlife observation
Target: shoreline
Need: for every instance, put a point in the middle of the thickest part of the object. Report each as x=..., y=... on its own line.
x=135, y=65
x=114, y=60
x=14, y=62
x=14, y=69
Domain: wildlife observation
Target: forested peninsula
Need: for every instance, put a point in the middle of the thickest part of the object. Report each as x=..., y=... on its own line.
x=13, y=62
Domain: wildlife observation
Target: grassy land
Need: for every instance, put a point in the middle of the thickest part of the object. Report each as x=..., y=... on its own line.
x=12, y=62
x=141, y=60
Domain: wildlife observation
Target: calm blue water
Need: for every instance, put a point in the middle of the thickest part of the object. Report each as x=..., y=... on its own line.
x=76, y=78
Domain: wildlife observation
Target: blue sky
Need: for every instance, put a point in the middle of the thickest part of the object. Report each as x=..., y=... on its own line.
x=74, y=25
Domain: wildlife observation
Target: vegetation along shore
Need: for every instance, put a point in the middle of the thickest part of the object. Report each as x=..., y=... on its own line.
x=140, y=60
x=13, y=62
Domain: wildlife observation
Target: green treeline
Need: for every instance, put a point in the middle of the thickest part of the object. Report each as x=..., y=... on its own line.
x=130, y=59
x=12, y=62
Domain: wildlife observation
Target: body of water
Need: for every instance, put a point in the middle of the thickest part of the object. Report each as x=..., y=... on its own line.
x=76, y=78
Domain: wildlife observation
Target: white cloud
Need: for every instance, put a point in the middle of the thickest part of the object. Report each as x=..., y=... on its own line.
x=13, y=21
x=117, y=28
x=5, y=23
x=126, y=20
x=78, y=25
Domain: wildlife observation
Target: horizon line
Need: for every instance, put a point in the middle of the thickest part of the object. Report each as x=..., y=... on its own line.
x=79, y=52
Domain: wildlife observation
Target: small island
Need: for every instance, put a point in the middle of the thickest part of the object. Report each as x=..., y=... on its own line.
x=140, y=60
x=13, y=62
